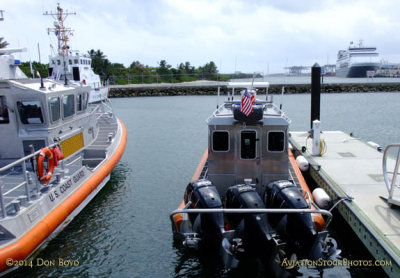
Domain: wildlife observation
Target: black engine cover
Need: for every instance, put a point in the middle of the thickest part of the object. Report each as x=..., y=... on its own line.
x=203, y=194
x=253, y=228
x=297, y=228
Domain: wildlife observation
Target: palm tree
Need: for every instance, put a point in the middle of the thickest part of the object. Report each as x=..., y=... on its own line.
x=3, y=44
x=98, y=58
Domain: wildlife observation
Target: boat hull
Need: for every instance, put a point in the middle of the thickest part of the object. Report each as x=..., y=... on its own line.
x=357, y=71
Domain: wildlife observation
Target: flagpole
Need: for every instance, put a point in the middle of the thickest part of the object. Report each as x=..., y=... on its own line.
x=41, y=78
x=218, y=98
x=252, y=82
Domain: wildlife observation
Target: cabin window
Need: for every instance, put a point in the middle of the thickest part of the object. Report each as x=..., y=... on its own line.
x=70, y=62
x=30, y=112
x=84, y=101
x=76, y=61
x=4, y=119
x=220, y=141
x=68, y=105
x=53, y=62
x=79, y=102
x=248, y=144
x=55, y=108
x=276, y=141
x=58, y=62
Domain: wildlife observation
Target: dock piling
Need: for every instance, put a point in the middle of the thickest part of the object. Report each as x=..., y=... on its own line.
x=315, y=93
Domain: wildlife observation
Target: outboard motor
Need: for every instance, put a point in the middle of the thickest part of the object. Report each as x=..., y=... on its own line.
x=209, y=226
x=258, y=238
x=297, y=228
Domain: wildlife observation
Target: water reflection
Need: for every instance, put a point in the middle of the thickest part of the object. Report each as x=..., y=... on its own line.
x=84, y=241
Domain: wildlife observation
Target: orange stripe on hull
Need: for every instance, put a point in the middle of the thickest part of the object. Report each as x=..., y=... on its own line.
x=318, y=219
x=179, y=217
x=31, y=240
x=200, y=166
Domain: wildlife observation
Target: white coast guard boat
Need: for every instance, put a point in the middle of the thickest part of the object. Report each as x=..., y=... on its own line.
x=248, y=198
x=71, y=65
x=56, y=153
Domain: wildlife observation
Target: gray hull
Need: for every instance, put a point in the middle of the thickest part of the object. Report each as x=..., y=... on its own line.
x=356, y=71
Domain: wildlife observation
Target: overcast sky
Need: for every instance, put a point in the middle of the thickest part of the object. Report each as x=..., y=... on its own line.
x=247, y=36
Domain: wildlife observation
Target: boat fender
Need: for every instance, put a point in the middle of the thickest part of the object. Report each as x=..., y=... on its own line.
x=321, y=198
x=45, y=153
x=178, y=218
x=302, y=162
x=375, y=145
x=84, y=82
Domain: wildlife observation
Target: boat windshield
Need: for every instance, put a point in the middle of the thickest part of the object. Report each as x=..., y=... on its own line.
x=30, y=112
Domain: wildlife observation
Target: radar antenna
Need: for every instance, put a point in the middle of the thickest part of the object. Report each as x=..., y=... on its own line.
x=62, y=33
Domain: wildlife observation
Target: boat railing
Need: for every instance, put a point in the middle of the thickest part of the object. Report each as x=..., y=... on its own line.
x=266, y=104
x=96, y=85
x=25, y=183
x=391, y=183
x=254, y=211
x=106, y=109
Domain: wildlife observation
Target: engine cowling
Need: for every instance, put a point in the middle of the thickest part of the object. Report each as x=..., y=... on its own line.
x=210, y=226
x=297, y=228
x=255, y=230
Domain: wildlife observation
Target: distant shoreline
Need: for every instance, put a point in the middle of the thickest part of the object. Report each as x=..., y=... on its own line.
x=211, y=88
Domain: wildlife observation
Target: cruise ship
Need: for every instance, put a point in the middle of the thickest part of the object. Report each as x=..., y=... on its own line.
x=357, y=61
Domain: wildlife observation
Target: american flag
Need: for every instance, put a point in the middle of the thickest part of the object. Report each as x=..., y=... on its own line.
x=246, y=107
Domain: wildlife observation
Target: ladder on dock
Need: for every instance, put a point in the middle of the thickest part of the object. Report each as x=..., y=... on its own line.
x=391, y=183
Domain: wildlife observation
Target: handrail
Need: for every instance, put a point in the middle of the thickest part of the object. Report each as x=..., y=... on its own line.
x=27, y=182
x=257, y=211
x=21, y=160
x=391, y=185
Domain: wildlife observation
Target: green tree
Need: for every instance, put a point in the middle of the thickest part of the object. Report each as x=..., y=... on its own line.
x=137, y=66
x=3, y=44
x=209, y=71
x=42, y=68
x=98, y=59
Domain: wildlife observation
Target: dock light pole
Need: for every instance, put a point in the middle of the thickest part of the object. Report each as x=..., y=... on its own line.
x=315, y=108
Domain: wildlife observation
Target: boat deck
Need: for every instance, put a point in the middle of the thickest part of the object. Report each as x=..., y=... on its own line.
x=15, y=189
x=352, y=170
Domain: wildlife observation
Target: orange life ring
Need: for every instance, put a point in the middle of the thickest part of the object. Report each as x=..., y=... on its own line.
x=45, y=152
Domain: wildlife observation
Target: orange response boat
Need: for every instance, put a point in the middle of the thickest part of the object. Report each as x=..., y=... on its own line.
x=248, y=198
x=57, y=151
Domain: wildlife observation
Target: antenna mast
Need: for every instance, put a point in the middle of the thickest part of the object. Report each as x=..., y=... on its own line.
x=60, y=30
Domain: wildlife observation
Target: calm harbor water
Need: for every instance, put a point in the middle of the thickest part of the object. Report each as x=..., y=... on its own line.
x=125, y=231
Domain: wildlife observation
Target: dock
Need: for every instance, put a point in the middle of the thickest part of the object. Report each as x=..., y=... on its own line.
x=351, y=173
